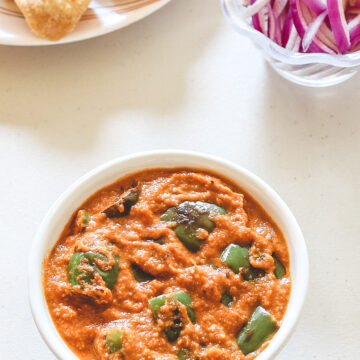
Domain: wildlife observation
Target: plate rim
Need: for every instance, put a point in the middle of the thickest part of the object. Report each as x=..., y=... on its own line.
x=136, y=15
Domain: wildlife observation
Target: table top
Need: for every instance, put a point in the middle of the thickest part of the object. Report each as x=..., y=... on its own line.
x=184, y=79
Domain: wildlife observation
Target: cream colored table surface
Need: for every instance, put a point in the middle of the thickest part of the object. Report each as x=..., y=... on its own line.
x=181, y=78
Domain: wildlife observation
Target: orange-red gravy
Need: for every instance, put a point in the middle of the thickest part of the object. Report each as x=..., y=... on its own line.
x=80, y=321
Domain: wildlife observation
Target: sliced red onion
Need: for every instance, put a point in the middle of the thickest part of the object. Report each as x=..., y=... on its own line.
x=324, y=34
x=339, y=24
x=255, y=20
x=327, y=37
x=312, y=30
x=281, y=20
x=279, y=6
x=256, y=7
x=355, y=48
x=264, y=20
x=353, y=23
x=301, y=27
x=272, y=24
x=297, y=44
x=329, y=26
x=350, y=11
x=317, y=6
x=354, y=28
x=354, y=3
x=355, y=34
x=293, y=38
x=287, y=28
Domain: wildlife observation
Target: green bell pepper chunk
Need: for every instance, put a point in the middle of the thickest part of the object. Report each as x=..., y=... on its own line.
x=123, y=206
x=181, y=296
x=169, y=215
x=236, y=257
x=191, y=216
x=280, y=270
x=260, y=327
x=156, y=304
x=253, y=273
x=85, y=217
x=110, y=277
x=140, y=275
x=184, y=298
x=226, y=299
x=132, y=197
x=191, y=314
x=187, y=235
x=173, y=332
x=78, y=276
x=160, y=240
x=114, y=340
x=183, y=355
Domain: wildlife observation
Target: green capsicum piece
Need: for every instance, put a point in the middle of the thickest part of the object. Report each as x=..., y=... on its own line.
x=183, y=355
x=111, y=276
x=81, y=221
x=280, y=270
x=114, y=340
x=191, y=216
x=173, y=332
x=181, y=296
x=160, y=240
x=226, y=299
x=259, y=328
x=123, y=206
x=253, y=273
x=156, y=304
x=79, y=276
x=140, y=275
x=184, y=298
x=236, y=257
x=76, y=275
x=84, y=218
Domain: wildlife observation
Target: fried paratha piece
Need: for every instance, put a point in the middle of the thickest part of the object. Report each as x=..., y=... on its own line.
x=52, y=19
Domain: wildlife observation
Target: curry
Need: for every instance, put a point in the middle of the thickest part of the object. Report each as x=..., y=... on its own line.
x=168, y=264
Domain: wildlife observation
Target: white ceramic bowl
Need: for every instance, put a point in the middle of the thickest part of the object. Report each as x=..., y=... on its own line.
x=59, y=214
x=308, y=69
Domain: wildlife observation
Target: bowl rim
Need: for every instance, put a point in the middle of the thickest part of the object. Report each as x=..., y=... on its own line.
x=232, y=10
x=84, y=187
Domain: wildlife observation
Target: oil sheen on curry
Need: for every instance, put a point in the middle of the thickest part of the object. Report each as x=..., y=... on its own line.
x=169, y=264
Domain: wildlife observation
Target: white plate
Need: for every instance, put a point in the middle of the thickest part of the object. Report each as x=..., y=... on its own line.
x=103, y=16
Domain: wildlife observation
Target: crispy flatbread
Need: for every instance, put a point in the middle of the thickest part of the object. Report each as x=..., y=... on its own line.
x=52, y=19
